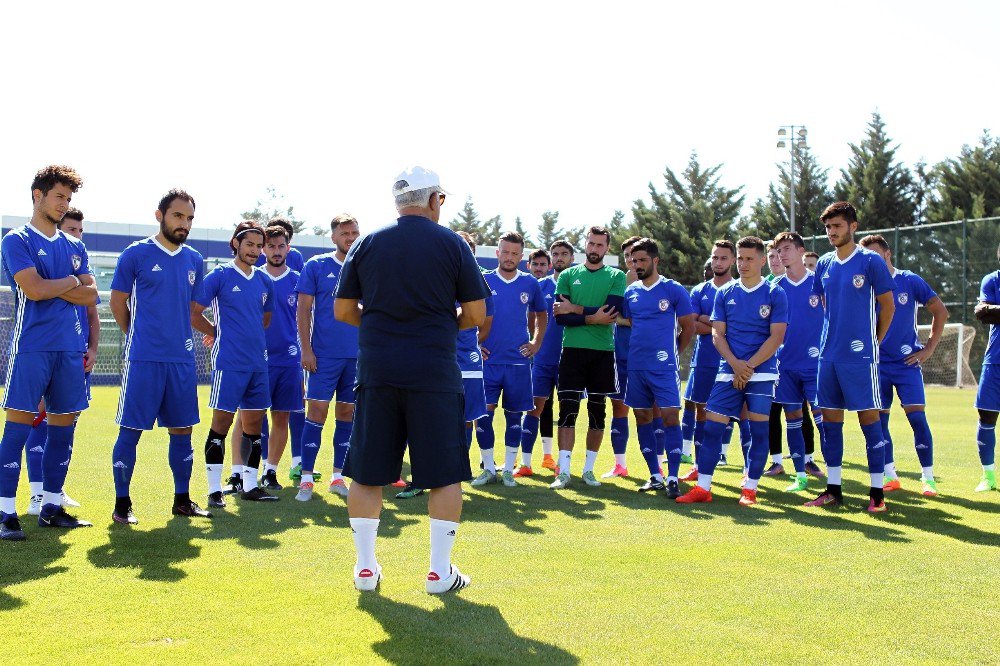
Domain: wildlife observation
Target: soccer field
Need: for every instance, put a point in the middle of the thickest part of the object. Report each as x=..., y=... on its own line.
x=586, y=574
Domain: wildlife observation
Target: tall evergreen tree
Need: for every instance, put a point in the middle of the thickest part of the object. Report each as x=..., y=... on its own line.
x=490, y=232
x=549, y=230
x=968, y=186
x=519, y=228
x=467, y=220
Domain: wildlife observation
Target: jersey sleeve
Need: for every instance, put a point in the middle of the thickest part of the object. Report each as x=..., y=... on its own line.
x=879, y=276
x=16, y=253
x=491, y=307
x=124, y=278
x=923, y=291
x=988, y=289
x=349, y=282
x=617, y=284
x=682, y=302
x=307, y=279
x=269, y=286
x=84, y=261
x=470, y=286
x=563, y=285
x=719, y=307
x=537, y=300
x=626, y=310
x=779, y=306
x=209, y=288
x=817, y=287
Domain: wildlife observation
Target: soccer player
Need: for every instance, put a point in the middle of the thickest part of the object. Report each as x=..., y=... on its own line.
x=619, y=409
x=590, y=297
x=507, y=354
x=293, y=257
x=798, y=356
x=748, y=321
x=242, y=300
x=810, y=259
x=153, y=291
x=545, y=368
x=851, y=281
x=900, y=356
x=655, y=307
x=988, y=394
x=539, y=264
x=50, y=275
x=329, y=357
x=774, y=443
x=705, y=358
x=688, y=416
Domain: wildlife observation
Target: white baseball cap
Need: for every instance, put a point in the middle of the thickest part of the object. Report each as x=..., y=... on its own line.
x=415, y=178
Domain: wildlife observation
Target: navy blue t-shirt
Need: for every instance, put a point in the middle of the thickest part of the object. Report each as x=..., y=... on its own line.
x=409, y=276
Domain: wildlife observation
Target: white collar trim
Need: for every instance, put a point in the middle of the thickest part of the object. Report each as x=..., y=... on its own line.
x=750, y=290
x=52, y=239
x=836, y=257
x=796, y=284
x=173, y=253
x=517, y=274
x=237, y=269
x=283, y=275
x=643, y=286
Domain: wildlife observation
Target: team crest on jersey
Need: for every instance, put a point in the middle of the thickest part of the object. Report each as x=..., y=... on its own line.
x=859, y=281
x=291, y=300
x=524, y=297
x=76, y=262
x=263, y=299
x=191, y=278
x=765, y=311
x=813, y=300
x=903, y=298
x=664, y=304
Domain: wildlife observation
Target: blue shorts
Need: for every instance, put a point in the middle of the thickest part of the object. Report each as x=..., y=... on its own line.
x=700, y=383
x=53, y=375
x=332, y=376
x=234, y=389
x=988, y=394
x=653, y=388
x=86, y=380
x=544, y=379
x=850, y=386
x=908, y=380
x=285, y=383
x=622, y=367
x=475, y=398
x=515, y=383
x=727, y=400
x=796, y=387
x=158, y=392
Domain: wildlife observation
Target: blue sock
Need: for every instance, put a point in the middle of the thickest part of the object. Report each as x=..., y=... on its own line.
x=875, y=448
x=123, y=459
x=727, y=438
x=512, y=435
x=296, y=422
x=759, y=447
x=312, y=438
x=687, y=424
x=647, y=446
x=468, y=435
x=796, y=443
x=818, y=420
x=674, y=442
x=711, y=447
x=659, y=431
x=699, y=436
x=833, y=444
x=745, y=441
x=484, y=431
x=55, y=460
x=884, y=418
x=619, y=434
x=265, y=427
x=923, y=440
x=33, y=449
x=180, y=454
x=341, y=442
x=986, y=438
x=529, y=432
x=14, y=437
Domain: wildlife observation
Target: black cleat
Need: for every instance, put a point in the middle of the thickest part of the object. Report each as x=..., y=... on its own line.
x=60, y=519
x=270, y=480
x=125, y=518
x=216, y=500
x=673, y=490
x=234, y=485
x=652, y=484
x=191, y=510
x=258, y=494
x=10, y=530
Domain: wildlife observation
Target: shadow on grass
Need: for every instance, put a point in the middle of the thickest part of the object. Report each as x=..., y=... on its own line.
x=30, y=560
x=458, y=631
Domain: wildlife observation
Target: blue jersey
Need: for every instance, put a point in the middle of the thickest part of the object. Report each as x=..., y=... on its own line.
x=850, y=288
x=623, y=334
x=654, y=311
x=901, y=340
x=52, y=324
x=283, y=334
x=989, y=292
x=548, y=353
x=512, y=299
x=748, y=315
x=330, y=338
x=293, y=260
x=162, y=284
x=238, y=303
x=800, y=350
x=470, y=357
x=705, y=354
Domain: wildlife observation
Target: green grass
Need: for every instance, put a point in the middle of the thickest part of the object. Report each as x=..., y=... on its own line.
x=592, y=575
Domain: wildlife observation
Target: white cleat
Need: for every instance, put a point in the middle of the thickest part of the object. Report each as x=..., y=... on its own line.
x=508, y=479
x=561, y=481
x=484, y=478
x=338, y=487
x=367, y=580
x=305, y=492
x=453, y=583
x=68, y=501
x=35, y=505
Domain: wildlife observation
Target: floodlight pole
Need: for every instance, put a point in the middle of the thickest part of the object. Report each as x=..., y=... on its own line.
x=794, y=139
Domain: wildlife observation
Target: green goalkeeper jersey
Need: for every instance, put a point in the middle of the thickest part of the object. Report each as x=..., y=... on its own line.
x=591, y=290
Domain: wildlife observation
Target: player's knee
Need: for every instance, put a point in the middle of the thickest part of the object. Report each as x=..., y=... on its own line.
x=987, y=417
x=569, y=407
x=597, y=412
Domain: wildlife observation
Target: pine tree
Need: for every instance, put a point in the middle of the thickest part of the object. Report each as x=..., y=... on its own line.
x=490, y=232
x=549, y=230
x=519, y=228
x=273, y=205
x=467, y=220
x=968, y=186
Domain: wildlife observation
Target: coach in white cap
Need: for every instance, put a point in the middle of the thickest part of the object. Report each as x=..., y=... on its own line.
x=409, y=275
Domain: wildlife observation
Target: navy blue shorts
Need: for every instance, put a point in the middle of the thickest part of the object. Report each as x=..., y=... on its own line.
x=233, y=390
x=908, y=380
x=700, y=383
x=332, y=376
x=544, y=379
x=850, y=386
x=653, y=388
x=727, y=400
x=796, y=387
x=55, y=376
x=388, y=420
x=515, y=383
x=988, y=394
x=152, y=392
x=285, y=383
x=475, y=398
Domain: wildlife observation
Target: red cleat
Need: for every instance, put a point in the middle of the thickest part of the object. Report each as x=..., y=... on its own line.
x=523, y=470
x=890, y=485
x=691, y=476
x=876, y=508
x=748, y=497
x=695, y=495
x=399, y=484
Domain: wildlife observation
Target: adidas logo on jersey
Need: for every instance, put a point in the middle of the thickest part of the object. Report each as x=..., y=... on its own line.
x=331, y=275
x=236, y=288
x=577, y=282
x=41, y=253
x=731, y=301
x=156, y=267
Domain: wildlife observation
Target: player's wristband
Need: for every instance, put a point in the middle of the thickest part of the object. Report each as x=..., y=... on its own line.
x=79, y=283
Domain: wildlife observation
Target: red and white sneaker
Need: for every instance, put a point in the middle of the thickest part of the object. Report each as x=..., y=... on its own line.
x=454, y=582
x=825, y=499
x=691, y=476
x=748, y=497
x=367, y=580
x=876, y=508
x=619, y=470
x=523, y=470
x=694, y=496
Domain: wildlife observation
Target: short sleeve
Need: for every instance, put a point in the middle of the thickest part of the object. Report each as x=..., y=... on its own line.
x=682, y=302
x=987, y=291
x=16, y=253
x=124, y=278
x=349, y=282
x=199, y=278
x=617, y=284
x=537, y=300
x=269, y=286
x=84, y=261
x=491, y=307
x=626, y=310
x=209, y=288
x=470, y=285
x=563, y=285
x=923, y=291
x=779, y=306
x=719, y=307
x=817, y=287
x=307, y=280
x=879, y=276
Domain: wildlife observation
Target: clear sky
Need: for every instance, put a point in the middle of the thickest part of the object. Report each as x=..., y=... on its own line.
x=525, y=106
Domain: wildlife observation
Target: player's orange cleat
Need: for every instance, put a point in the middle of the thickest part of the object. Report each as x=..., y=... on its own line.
x=691, y=476
x=695, y=495
x=876, y=508
x=748, y=497
x=399, y=484
x=548, y=462
x=523, y=470
x=890, y=485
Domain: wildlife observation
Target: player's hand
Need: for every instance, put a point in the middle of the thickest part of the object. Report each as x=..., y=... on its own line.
x=606, y=315
x=739, y=383
x=484, y=352
x=742, y=370
x=563, y=306
x=918, y=358
x=89, y=360
x=308, y=361
x=530, y=349
x=980, y=306
x=207, y=340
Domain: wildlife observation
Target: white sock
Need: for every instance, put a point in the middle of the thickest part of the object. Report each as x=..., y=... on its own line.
x=488, y=464
x=671, y=478
x=296, y=460
x=588, y=463
x=688, y=447
x=268, y=467
x=307, y=478
x=809, y=457
x=705, y=481
x=336, y=476
x=801, y=476
x=833, y=475
x=249, y=475
x=776, y=458
x=364, y=530
x=510, y=458
x=442, y=539
x=989, y=468
x=878, y=480
x=620, y=459
x=751, y=484
x=890, y=469
x=51, y=498
x=526, y=459
x=36, y=488
x=8, y=505
x=238, y=470
x=928, y=473
x=214, y=473
x=658, y=477
x=546, y=446
x=564, y=460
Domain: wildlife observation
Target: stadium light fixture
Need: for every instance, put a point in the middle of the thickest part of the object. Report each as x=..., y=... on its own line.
x=792, y=131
